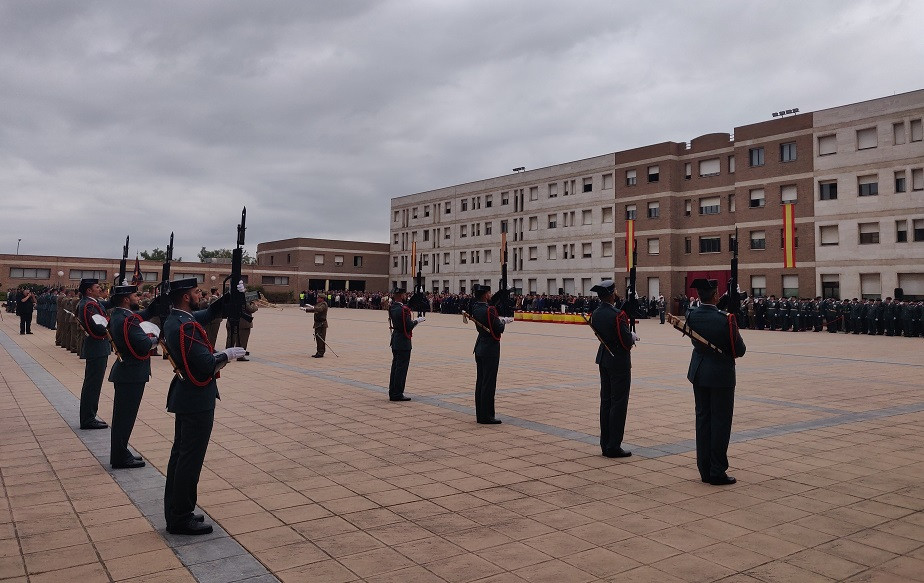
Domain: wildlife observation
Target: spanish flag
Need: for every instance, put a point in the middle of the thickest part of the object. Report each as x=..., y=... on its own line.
x=789, y=236
x=413, y=255
x=630, y=244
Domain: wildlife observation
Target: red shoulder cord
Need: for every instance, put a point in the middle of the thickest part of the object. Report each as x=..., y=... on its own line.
x=732, y=326
x=133, y=320
x=86, y=321
x=491, y=313
x=203, y=340
x=621, y=317
x=405, y=314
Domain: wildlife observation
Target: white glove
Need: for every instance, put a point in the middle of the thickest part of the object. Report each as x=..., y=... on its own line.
x=635, y=337
x=150, y=329
x=421, y=319
x=240, y=286
x=308, y=307
x=234, y=352
x=100, y=319
x=506, y=320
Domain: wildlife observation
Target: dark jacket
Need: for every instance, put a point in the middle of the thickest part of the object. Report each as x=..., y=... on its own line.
x=197, y=390
x=401, y=326
x=24, y=307
x=708, y=368
x=320, y=314
x=488, y=342
x=133, y=345
x=95, y=344
x=612, y=325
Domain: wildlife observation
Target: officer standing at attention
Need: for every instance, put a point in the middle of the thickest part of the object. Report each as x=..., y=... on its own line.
x=129, y=373
x=713, y=378
x=191, y=398
x=487, y=353
x=320, y=324
x=613, y=357
x=91, y=315
x=401, y=325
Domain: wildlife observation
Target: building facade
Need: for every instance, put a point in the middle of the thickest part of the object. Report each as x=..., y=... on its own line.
x=323, y=264
x=688, y=201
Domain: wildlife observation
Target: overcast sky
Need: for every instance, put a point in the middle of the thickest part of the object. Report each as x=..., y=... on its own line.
x=140, y=118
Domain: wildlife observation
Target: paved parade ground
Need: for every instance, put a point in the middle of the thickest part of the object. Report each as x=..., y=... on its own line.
x=313, y=475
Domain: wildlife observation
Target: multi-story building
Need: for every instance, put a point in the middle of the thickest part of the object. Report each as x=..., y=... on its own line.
x=566, y=223
x=323, y=264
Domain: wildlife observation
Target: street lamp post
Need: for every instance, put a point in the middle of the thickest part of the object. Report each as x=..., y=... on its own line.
x=17, y=245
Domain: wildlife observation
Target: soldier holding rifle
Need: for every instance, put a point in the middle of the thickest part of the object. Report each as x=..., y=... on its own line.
x=402, y=326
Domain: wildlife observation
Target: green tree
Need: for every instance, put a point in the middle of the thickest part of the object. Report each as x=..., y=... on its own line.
x=157, y=254
x=223, y=254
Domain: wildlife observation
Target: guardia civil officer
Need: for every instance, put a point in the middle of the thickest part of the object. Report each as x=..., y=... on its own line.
x=615, y=362
x=402, y=326
x=191, y=398
x=129, y=372
x=713, y=378
x=91, y=316
x=487, y=353
x=319, y=309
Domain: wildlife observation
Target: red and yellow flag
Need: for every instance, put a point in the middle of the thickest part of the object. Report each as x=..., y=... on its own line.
x=630, y=243
x=789, y=235
x=413, y=255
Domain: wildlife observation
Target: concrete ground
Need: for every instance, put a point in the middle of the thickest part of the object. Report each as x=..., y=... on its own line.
x=313, y=475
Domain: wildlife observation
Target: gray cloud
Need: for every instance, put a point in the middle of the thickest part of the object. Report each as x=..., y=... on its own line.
x=142, y=118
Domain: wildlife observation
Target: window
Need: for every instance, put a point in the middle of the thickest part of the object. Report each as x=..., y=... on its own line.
x=488, y=201
x=688, y=245
x=918, y=230
x=827, y=190
x=756, y=156
x=200, y=277
x=445, y=258
x=319, y=259
x=759, y=285
x=533, y=193
x=487, y=256
x=917, y=179
x=710, y=205
x=710, y=244
x=476, y=230
x=567, y=251
x=795, y=239
x=587, y=217
x=867, y=138
x=338, y=259
x=446, y=233
x=790, y=286
x=463, y=205
x=868, y=185
x=533, y=253
x=427, y=211
x=585, y=250
x=553, y=220
x=588, y=185
x=488, y=228
x=828, y=235
x=757, y=198
x=463, y=231
x=654, y=174
x=630, y=178
x=533, y=223
x=570, y=187
x=607, y=181
x=900, y=185
x=552, y=252
x=504, y=227
x=357, y=261
x=426, y=235
x=476, y=203
x=687, y=171
x=630, y=212
x=827, y=145
x=731, y=203
x=898, y=133
x=654, y=210
x=901, y=231
x=414, y=212
x=462, y=257
x=607, y=214
x=869, y=233
x=82, y=274
x=396, y=216
x=553, y=190
x=710, y=167
x=758, y=240
x=606, y=249
x=396, y=242
x=273, y=257
x=788, y=194
x=831, y=286
x=687, y=207
x=274, y=280
x=731, y=164
x=505, y=198
x=788, y=152
x=870, y=286
x=475, y=256
x=917, y=132
x=448, y=207
x=654, y=246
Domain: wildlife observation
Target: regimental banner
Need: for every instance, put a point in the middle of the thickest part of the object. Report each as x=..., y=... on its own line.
x=413, y=256
x=630, y=243
x=137, y=278
x=789, y=235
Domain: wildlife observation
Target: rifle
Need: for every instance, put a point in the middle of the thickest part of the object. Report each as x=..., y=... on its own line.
x=418, y=300
x=731, y=301
x=120, y=279
x=501, y=298
x=597, y=334
x=163, y=290
x=630, y=306
x=685, y=329
x=234, y=309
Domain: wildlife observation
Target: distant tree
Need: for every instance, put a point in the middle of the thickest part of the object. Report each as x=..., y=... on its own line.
x=223, y=254
x=157, y=254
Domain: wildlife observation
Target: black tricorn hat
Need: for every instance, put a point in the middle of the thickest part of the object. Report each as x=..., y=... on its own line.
x=604, y=288
x=479, y=289
x=704, y=286
x=398, y=290
x=87, y=283
x=124, y=290
x=183, y=284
